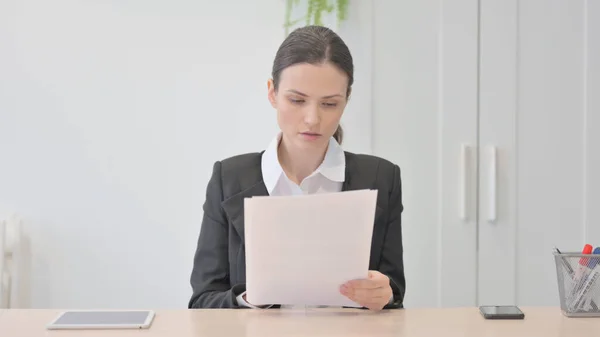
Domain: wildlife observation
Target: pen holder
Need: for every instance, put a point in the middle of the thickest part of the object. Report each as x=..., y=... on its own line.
x=578, y=284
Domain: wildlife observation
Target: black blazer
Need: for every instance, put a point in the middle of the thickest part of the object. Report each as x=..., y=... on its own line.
x=219, y=272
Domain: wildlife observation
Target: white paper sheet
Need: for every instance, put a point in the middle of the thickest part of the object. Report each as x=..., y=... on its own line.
x=301, y=249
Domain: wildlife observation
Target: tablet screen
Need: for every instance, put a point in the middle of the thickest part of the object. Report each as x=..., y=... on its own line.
x=103, y=318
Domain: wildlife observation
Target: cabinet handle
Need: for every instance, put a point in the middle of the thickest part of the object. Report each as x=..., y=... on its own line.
x=463, y=181
x=493, y=184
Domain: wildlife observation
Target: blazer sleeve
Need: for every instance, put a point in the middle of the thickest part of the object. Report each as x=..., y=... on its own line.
x=392, y=263
x=210, y=275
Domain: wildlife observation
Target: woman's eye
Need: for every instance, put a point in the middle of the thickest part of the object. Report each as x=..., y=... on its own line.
x=296, y=101
x=330, y=105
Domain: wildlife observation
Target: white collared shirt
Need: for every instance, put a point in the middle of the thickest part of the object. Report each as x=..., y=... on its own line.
x=327, y=178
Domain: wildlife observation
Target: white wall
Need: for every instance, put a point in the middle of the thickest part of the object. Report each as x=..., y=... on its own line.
x=111, y=115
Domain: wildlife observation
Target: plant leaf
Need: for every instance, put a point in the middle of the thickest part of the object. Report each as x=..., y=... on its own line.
x=310, y=10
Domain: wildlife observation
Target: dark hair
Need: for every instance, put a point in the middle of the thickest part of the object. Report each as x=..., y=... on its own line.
x=314, y=45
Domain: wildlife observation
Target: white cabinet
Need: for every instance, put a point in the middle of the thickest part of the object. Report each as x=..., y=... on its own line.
x=424, y=111
x=492, y=109
x=539, y=88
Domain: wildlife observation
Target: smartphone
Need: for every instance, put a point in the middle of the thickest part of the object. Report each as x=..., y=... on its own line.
x=501, y=312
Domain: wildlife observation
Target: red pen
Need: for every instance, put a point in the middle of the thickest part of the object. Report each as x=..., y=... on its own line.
x=587, y=249
x=583, y=262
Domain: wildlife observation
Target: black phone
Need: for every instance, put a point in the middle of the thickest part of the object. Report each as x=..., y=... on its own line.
x=501, y=312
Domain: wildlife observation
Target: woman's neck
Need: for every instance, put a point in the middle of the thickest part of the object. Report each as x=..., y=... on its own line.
x=298, y=165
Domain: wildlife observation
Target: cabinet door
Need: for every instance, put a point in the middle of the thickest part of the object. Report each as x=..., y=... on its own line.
x=425, y=120
x=539, y=108
x=497, y=150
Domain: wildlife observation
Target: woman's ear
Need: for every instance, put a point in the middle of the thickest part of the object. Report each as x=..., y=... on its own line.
x=271, y=93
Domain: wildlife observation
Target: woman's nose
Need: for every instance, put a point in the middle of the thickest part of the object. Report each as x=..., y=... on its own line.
x=312, y=116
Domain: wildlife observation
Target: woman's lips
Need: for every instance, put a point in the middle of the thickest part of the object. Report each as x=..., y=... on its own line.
x=310, y=135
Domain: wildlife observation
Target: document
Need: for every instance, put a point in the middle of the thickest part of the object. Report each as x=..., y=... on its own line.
x=301, y=249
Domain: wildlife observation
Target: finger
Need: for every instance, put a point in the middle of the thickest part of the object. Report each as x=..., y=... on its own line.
x=380, y=278
x=370, y=296
x=375, y=275
x=371, y=292
x=374, y=279
x=372, y=305
x=365, y=294
x=364, y=284
x=349, y=290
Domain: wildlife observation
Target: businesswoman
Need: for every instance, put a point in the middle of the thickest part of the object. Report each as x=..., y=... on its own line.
x=311, y=82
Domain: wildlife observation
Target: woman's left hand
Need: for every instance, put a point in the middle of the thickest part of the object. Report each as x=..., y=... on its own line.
x=373, y=293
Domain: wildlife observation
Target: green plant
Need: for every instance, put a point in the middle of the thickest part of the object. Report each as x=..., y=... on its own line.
x=314, y=12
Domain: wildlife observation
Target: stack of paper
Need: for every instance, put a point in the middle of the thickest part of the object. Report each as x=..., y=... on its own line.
x=301, y=249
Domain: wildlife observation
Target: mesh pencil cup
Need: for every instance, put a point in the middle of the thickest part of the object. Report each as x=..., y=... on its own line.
x=578, y=284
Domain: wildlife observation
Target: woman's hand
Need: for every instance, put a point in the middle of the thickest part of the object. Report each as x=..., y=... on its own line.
x=373, y=293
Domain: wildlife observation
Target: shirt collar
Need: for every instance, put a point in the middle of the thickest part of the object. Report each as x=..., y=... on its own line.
x=333, y=166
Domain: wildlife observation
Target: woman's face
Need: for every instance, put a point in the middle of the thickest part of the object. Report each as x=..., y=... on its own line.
x=309, y=101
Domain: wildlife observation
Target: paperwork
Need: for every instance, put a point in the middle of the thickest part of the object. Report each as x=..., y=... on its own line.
x=301, y=249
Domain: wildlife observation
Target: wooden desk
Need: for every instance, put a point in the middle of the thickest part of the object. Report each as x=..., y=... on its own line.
x=463, y=322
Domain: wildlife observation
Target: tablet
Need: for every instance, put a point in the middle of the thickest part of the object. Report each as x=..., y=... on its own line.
x=88, y=319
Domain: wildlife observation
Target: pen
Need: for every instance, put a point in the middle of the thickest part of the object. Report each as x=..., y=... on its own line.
x=565, y=263
x=580, y=276
x=567, y=280
x=583, y=262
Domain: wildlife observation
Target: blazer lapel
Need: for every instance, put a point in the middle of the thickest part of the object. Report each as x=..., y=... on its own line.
x=354, y=179
x=357, y=180
x=347, y=186
x=234, y=206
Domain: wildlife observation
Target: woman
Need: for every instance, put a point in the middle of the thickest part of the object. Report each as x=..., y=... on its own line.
x=310, y=86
